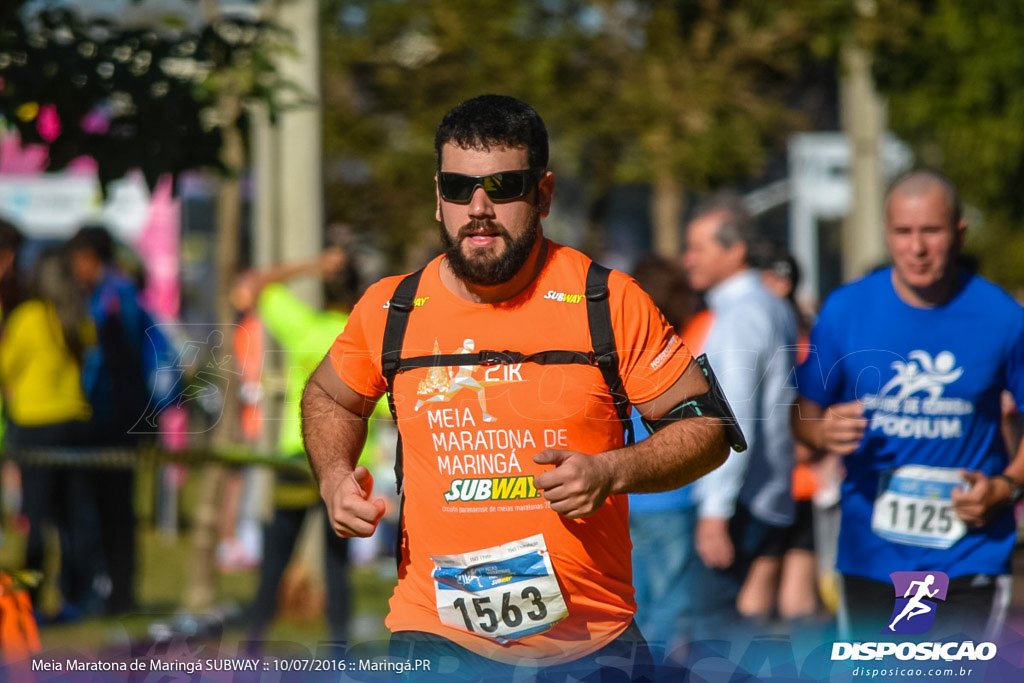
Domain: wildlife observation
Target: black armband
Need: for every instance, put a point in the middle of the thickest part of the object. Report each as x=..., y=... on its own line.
x=710, y=404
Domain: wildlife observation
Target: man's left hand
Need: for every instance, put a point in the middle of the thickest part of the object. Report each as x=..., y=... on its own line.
x=713, y=543
x=985, y=493
x=577, y=486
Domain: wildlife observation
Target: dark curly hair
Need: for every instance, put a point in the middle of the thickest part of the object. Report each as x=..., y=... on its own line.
x=494, y=121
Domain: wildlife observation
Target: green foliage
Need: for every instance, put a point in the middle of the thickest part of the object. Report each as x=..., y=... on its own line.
x=631, y=91
x=953, y=74
x=133, y=97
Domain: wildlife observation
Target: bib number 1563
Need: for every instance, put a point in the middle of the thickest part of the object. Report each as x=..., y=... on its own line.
x=506, y=592
x=488, y=618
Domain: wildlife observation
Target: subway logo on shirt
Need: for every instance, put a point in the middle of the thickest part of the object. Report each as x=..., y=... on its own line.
x=496, y=488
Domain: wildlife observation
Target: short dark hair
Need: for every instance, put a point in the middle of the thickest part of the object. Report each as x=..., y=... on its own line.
x=779, y=260
x=94, y=238
x=494, y=121
x=11, y=238
x=342, y=288
x=921, y=181
x=736, y=225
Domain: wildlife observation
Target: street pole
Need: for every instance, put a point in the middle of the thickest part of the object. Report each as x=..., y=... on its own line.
x=864, y=116
x=299, y=227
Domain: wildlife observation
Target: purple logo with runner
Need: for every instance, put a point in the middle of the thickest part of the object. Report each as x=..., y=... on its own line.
x=916, y=595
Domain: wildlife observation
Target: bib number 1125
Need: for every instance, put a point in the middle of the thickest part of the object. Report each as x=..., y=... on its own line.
x=915, y=507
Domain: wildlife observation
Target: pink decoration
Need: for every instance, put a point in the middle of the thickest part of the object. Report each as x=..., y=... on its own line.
x=48, y=122
x=96, y=122
x=174, y=430
x=83, y=165
x=158, y=245
x=17, y=159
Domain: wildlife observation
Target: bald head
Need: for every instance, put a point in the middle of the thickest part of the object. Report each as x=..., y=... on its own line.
x=924, y=234
x=920, y=183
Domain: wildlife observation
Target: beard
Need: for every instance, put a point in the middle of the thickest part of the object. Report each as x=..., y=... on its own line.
x=486, y=269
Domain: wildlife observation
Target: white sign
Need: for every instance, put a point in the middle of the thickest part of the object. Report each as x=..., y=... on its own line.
x=55, y=205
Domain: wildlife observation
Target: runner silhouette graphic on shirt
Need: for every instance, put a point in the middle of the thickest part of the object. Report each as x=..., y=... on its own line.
x=463, y=379
x=915, y=607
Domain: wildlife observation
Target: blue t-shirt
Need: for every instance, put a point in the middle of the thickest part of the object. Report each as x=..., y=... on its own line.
x=930, y=380
x=673, y=499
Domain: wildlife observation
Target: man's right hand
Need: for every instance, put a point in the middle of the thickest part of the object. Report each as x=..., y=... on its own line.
x=843, y=427
x=837, y=429
x=351, y=509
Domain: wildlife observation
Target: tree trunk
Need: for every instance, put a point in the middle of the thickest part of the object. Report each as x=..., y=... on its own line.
x=199, y=591
x=863, y=121
x=666, y=213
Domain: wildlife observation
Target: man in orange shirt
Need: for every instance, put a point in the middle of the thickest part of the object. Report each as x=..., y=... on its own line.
x=514, y=550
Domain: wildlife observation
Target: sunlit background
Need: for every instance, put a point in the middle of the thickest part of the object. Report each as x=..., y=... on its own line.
x=212, y=136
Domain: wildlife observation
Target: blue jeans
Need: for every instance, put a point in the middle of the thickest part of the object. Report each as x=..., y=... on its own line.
x=717, y=616
x=665, y=574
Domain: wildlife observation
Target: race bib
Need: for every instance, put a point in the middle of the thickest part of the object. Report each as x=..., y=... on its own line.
x=506, y=592
x=915, y=507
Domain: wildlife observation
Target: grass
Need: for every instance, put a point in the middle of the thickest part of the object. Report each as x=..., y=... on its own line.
x=162, y=575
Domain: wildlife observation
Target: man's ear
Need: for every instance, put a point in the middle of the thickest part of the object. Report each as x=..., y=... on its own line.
x=738, y=253
x=545, y=191
x=961, y=235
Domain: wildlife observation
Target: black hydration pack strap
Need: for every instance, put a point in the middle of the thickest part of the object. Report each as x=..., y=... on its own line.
x=599, y=315
x=399, y=308
x=603, y=356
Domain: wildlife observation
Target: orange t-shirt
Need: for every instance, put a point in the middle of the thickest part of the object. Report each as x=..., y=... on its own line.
x=695, y=332
x=469, y=434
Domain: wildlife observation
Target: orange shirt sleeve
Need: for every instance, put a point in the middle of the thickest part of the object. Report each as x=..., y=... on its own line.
x=652, y=357
x=355, y=353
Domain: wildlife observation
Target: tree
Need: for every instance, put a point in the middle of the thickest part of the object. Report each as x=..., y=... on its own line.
x=143, y=98
x=391, y=70
x=161, y=99
x=954, y=77
x=694, y=94
x=685, y=95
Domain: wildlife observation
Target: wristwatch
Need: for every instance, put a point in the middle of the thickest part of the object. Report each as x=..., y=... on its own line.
x=1016, y=490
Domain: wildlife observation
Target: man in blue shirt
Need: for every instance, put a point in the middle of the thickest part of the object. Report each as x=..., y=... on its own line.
x=115, y=378
x=904, y=379
x=752, y=346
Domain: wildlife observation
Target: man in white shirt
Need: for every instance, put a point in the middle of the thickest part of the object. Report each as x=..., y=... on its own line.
x=752, y=348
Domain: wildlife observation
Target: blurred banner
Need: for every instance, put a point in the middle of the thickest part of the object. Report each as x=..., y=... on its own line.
x=52, y=206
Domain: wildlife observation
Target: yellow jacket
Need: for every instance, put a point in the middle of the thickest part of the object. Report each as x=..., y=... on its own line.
x=41, y=379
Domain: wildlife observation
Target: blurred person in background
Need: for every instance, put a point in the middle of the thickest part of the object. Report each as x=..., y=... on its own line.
x=747, y=503
x=665, y=563
x=11, y=288
x=942, y=344
x=302, y=332
x=11, y=294
x=239, y=547
x=115, y=377
x=41, y=352
x=783, y=580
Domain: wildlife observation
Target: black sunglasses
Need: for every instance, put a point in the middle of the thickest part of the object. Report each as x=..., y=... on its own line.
x=503, y=186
